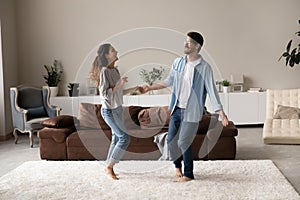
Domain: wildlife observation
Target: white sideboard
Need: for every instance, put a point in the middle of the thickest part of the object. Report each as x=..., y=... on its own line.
x=241, y=107
x=70, y=105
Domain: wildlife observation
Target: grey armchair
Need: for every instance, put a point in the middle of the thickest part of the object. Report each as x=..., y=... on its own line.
x=30, y=106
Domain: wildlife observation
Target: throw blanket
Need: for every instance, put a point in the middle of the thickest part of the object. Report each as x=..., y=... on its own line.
x=161, y=141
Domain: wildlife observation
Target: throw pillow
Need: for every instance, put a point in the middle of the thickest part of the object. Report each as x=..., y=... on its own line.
x=154, y=117
x=62, y=121
x=287, y=112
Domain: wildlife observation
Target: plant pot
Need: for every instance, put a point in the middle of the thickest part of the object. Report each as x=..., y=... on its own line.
x=226, y=89
x=53, y=91
x=73, y=93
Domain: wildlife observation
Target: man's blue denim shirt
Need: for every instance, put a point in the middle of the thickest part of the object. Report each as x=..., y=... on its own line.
x=203, y=84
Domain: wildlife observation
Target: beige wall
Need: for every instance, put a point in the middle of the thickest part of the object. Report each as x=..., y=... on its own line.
x=245, y=37
x=241, y=36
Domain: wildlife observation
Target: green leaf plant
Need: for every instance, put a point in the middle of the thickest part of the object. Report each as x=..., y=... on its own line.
x=292, y=56
x=225, y=83
x=150, y=77
x=54, y=74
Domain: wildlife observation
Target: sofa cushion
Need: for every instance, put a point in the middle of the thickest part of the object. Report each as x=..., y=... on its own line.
x=62, y=121
x=159, y=117
x=287, y=112
x=90, y=116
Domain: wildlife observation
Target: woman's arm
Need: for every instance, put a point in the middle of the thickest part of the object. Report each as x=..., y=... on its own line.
x=130, y=90
x=156, y=86
x=120, y=84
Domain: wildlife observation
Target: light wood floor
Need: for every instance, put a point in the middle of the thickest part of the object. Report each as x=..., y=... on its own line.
x=249, y=146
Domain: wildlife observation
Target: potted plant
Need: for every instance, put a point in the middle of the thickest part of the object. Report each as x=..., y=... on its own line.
x=150, y=77
x=226, y=86
x=53, y=76
x=292, y=57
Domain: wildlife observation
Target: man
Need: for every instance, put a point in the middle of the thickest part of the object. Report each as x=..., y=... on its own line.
x=191, y=78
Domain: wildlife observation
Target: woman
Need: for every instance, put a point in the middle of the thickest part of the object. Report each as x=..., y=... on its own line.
x=111, y=91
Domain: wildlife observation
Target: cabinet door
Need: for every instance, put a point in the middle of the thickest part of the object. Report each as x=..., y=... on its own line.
x=154, y=100
x=243, y=108
x=224, y=102
x=130, y=100
x=262, y=107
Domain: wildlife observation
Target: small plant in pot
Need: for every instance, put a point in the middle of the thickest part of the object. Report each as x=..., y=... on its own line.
x=226, y=86
x=73, y=89
x=53, y=76
x=150, y=77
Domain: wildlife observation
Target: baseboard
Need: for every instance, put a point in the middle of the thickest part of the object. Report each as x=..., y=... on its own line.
x=6, y=137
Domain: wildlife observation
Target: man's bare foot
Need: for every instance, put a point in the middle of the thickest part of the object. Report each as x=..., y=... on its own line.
x=184, y=179
x=110, y=172
x=178, y=172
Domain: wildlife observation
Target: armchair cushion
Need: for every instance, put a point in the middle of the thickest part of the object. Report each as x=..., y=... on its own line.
x=36, y=112
x=62, y=121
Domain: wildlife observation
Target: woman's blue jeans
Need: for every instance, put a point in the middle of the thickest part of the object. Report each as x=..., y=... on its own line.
x=120, y=139
x=180, y=137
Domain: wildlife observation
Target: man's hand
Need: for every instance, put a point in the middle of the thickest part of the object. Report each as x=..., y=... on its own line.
x=223, y=117
x=144, y=89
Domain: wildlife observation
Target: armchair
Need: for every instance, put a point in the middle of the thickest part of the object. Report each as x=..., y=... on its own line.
x=30, y=106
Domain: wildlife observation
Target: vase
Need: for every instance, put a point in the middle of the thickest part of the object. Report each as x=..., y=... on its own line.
x=53, y=91
x=151, y=92
x=73, y=93
x=226, y=89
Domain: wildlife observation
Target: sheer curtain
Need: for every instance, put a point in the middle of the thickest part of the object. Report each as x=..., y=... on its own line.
x=2, y=107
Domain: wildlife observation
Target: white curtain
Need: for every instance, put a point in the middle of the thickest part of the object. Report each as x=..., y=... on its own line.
x=2, y=107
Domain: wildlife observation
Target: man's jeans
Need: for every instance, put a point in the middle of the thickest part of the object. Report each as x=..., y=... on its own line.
x=180, y=137
x=120, y=139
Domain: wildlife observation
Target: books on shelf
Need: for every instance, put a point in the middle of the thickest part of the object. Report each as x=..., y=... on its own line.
x=255, y=89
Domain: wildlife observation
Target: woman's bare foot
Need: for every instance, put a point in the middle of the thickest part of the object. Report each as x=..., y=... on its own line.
x=184, y=179
x=178, y=172
x=110, y=172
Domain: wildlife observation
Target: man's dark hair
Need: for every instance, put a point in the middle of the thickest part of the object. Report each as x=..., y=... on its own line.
x=197, y=37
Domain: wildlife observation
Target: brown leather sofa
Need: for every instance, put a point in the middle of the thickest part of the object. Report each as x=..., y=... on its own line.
x=87, y=137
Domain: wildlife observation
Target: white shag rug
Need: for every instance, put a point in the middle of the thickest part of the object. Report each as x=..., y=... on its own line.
x=237, y=179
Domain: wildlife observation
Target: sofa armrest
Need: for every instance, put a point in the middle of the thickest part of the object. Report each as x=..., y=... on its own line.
x=222, y=131
x=59, y=135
